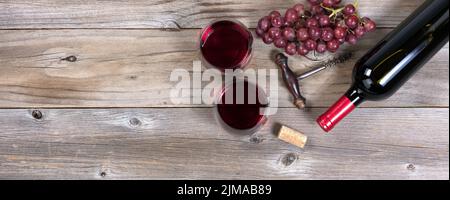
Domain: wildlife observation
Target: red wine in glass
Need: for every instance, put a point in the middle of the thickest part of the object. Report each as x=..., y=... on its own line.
x=245, y=111
x=226, y=44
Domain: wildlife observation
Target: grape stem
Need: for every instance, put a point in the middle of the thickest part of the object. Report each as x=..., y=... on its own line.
x=335, y=12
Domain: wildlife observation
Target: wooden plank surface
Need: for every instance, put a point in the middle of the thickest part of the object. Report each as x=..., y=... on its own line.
x=125, y=52
x=131, y=68
x=40, y=14
x=372, y=143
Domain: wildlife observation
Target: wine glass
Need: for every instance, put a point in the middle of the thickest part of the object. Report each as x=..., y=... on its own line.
x=241, y=107
x=226, y=44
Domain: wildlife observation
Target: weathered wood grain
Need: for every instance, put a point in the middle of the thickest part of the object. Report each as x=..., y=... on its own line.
x=186, y=143
x=117, y=66
x=131, y=68
x=167, y=14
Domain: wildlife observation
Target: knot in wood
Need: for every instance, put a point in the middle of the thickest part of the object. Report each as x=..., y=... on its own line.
x=411, y=167
x=36, y=114
x=135, y=122
x=70, y=59
x=289, y=159
x=256, y=139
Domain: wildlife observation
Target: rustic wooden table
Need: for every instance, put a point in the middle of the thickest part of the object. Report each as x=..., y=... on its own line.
x=105, y=112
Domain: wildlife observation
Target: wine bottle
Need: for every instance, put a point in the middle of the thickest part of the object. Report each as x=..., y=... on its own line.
x=387, y=66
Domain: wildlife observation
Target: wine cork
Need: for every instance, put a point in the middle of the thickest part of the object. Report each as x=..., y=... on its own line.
x=292, y=136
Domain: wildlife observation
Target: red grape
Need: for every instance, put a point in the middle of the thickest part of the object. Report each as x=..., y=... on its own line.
x=369, y=25
x=324, y=20
x=267, y=39
x=310, y=44
x=314, y=33
x=259, y=32
x=280, y=43
x=351, y=39
x=286, y=23
x=302, y=34
x=359, y=31
x=321, y=47
x=300, y=8
x=277, y=21
x=314, y=2
x=340, y=23
x=333, y=46
x=291, y=15
x=322, y=26
x=351, y=21
x=317, y=9
x=302, y=50
x=311, y=22
x=328, y=3
x=317, y=17
x=274, y=14
x=327, y=34
x=288, y=33
x=264, y=23
x=291, y=48
x=339, y=32
x=275, y=32
x=349, y=9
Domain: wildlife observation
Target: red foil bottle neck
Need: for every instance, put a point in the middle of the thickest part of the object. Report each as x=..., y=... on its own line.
x=335, y=113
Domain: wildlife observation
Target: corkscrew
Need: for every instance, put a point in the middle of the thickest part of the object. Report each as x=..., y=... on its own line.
x=292, y=80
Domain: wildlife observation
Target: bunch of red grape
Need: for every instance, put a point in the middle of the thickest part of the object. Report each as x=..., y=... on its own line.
x=324, y=26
